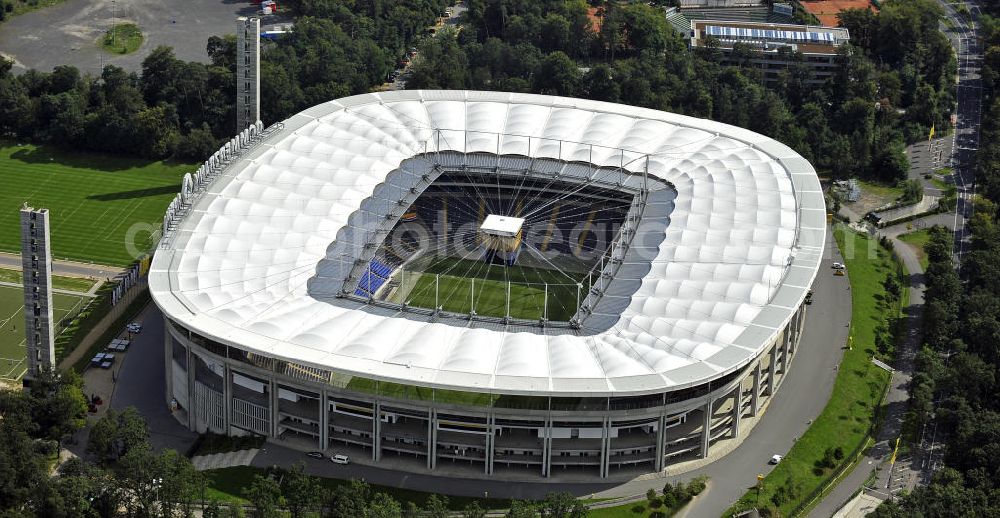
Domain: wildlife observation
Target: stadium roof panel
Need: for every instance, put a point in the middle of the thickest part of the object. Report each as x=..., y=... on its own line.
x=745, y=225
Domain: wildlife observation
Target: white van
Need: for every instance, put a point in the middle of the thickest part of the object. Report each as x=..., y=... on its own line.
x=340, y=459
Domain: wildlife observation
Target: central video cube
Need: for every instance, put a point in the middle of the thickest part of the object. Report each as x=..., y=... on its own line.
x=501, y=236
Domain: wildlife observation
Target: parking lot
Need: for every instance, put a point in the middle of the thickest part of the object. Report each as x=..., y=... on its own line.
x=68, y=33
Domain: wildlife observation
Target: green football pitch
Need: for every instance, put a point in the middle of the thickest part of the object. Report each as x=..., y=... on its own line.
x=93, y=200
x=12, y=325
x=456, y=283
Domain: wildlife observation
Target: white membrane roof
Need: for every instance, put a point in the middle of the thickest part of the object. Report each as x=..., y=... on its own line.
x=743, y=245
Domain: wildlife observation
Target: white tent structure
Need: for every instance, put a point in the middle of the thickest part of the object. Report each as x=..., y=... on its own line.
x=744, y=242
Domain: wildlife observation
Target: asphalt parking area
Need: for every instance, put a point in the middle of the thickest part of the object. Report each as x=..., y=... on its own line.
x=68, y=33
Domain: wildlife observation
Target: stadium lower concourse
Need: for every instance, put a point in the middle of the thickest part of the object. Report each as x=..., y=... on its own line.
x=508, y=285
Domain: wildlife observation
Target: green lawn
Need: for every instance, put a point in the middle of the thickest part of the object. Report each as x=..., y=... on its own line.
x=226, y=485
x=889, y=192
x=59, y=283
x=454, y=290
x=93, y=200
x=847, y=418
x=917, y=239
x=12, y=325
x=123, y=38
x=24, y=6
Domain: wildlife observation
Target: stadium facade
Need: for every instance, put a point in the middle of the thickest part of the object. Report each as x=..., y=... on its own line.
x=298, y=309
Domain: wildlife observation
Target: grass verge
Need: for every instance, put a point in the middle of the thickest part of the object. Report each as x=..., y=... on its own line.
x=60, y=283
x=123, y=38
x=843, y=428
x=226, y=485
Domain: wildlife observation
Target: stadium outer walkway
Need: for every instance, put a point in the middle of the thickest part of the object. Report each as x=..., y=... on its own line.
x=799, y=400
x=65, y=268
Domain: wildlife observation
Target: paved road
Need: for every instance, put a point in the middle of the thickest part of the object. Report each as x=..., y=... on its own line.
x=141, y=384
x=68, y=33
x=799, y=400
x=64, y=268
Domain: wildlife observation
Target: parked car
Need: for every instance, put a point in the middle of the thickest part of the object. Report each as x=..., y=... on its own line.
x=315, y=454
x=134, y=327
x=838, y=266
x=340, y=459
x=775, y=459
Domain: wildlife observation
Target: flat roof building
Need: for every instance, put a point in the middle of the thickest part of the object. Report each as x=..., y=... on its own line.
x=775, y=45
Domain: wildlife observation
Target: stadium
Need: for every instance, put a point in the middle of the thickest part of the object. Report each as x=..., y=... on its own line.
x=508, y=285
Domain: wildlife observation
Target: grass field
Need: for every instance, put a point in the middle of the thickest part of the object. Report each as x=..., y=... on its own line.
x=527, y=290
x=848, y=416
x=93, y=200
x=917, y=239
x=12, y=325
x=123, y=38
x=59, y=283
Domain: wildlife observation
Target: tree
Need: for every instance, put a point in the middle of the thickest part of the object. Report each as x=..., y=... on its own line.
x=557, y=74
x=437, y=506
x=57, y=403
x=521, y=509
x=301, y=492
x=564, y=505
x=349, y=500
x=383, y=506
x=473, y=510
x=264, y=494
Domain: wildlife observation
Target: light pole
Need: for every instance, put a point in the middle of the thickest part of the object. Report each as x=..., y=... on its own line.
x=157, y=482
x=486, y=501
x=113, y=20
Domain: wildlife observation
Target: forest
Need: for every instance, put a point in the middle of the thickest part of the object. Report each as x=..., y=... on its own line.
x=956, y=381
x=890, y=87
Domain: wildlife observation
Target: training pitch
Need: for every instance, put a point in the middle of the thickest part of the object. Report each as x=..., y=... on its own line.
x=94, y=200
x=12, y=363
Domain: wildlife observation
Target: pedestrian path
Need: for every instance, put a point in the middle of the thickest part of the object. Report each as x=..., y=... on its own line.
x=224, y=460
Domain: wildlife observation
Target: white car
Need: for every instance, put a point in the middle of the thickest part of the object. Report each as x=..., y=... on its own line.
x=775, y=459
x=134, y=327
x=838, y=266
x=340, y=459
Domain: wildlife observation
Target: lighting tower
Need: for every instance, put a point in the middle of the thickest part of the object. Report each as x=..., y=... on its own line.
x=247, y=72
x=36, y=265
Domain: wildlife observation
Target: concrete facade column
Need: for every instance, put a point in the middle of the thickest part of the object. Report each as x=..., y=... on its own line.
x=324, y=421
x=755, y=396
x=227, y=398
x=737, y=410
x=784, y=357
x=661, y=426
x=547, y=449
x=376, y=431
x=490, y=443
x=802, y=324
x=168, y=362
x=706, y=431
x=430, y=440
x=273, y=397
x=192, y=400
x=605, y=447
x=772, y=378
x=432, y=443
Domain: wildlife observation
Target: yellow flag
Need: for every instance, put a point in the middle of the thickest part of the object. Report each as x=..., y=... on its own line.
x=931, y=136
